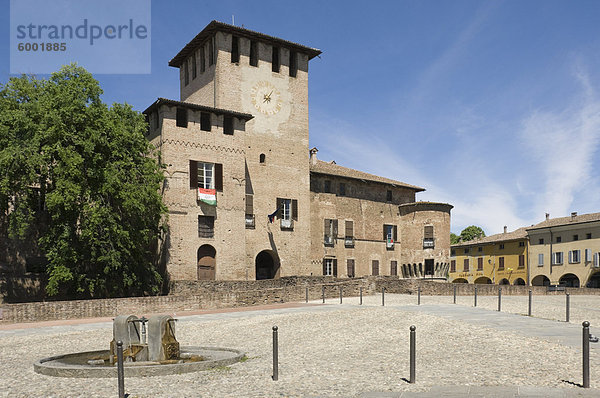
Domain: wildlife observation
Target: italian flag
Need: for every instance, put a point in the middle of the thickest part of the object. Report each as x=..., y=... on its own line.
x=208, y=196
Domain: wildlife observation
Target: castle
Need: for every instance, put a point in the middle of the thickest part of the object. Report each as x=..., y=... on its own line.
x=247, y=198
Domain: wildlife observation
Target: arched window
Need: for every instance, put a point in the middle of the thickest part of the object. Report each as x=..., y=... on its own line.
x=262, y=158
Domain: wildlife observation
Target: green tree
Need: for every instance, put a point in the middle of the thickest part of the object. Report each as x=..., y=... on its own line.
x=454, y=239
x=470, y=233
x=82, y=177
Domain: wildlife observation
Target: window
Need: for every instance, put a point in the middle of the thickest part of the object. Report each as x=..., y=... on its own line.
x=588, y=236
x=206, y=226
x=228, y=124
x=293, y=63
x=588, y=255
x=453, y=252
x=521, y=261
x=574, y=256
x=541, y=241
x=389, y=235
x=211, y=51
x=375, y=267
x=342, y=189
x=557, y=258
x=181, y=119
x=452, y=265
x=558, y=239
x=428, y=241
x=394, y=267
x=501, y=246
x=521, y=244
x=540, y=260
x=349, y=238
x=205, y=121
x=575, y=237
x=330, y=267
x=388, y=196
x=250, y=211
x=194, y=71
x=287, y=210
x=466, y=251
x=262, y=158
x=480, y=249
x=350, y=266
x=275, y=60
x=186, y=73
x=206, y=175
x=330, y=232
x=202, y=60
x=235, y=50
x=156, y=119
x=480, y=264
x=466, y=265
x=500, y=263
x=253, y=53
x=327, y=186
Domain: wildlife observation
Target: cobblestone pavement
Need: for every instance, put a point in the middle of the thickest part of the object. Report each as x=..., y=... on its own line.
x=335, y=350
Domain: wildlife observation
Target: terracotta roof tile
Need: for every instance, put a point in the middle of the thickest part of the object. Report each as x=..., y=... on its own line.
x=519, y=233
x=554, y=222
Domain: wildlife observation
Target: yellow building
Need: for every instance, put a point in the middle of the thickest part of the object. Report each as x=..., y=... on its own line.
x=497, y=259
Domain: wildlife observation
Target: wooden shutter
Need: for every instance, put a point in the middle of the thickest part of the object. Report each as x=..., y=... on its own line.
x=193, y=174
x=466, y=264
x=349, y=228
x=394, y=268
x=218, y=176
x=326, y=227
x=279, y=208
x=324, y=268
x=375, y=267
x=335, y=228
x=452, y=265
x=350, y=265
x=384, y=233
x=335, y=267
x=295, y=209
x=479, y=263
x=428, y=232
x=395, y=233
x=521, y=260
x=249, y=204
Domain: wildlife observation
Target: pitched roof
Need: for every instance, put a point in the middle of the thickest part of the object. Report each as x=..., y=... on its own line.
x=577, y=219
x=328, y=168
x=189, y=105
x=215, y=26
x=519, y=233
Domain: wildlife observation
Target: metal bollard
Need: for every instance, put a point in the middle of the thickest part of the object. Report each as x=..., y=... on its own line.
x=568, y=305
x=360, y=296
x=120, y=370
x=323, y=293
x=418, y=296
x=341, y=295
x=275, y=355
x=383, y=296
x=475, y=297
x=455, y=294
x=529, y=309
x=499, y=299
x=307, y=295
x=586, y=354
x=413, y=354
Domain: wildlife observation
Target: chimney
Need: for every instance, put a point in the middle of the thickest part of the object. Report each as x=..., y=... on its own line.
x=505, y=229
x=573, y=215
x=547, y=216
x=313, y=155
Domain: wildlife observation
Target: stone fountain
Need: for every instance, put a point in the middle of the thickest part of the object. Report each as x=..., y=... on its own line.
x=149, y=349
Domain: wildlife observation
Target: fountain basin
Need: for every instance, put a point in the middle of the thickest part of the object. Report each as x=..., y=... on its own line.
x=76, y=364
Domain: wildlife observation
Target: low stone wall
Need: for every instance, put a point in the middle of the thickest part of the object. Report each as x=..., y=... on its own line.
x=190, y=296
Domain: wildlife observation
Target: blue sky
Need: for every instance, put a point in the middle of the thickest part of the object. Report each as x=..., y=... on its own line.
x=492, y=106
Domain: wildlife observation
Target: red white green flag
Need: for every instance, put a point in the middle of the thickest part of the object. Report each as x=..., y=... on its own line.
x=208, y=196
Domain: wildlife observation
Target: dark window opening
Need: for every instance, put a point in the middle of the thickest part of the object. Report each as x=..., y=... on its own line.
x=202, y=60
x=186, y=73
x=181, y=117
x=194, y=72
x=262, y=158
x=235, y=51
x=394, y=267
x=327, y=186
x=541, y=241
x=375, y=267
x=558, y=239
x=253, y=53
x=575, y=237
x=205, y=121
x=275, y=60
x=389, y=196
x=350, y=268
x=206, y=226
x=293, y=63
x=228, y=125
x=211, y=51
x=156, y=119
x=342, y=189
x=588, y=236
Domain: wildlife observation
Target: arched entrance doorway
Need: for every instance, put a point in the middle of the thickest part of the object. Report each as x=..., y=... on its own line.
x=540, y=280
x=594, y=281
x=483, y=280
x=206, y=262
x=267, y=265
x=519, y=282
x=504, y=281
x=569, y=280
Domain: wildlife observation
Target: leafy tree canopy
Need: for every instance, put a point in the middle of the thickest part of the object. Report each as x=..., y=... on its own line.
x=83, y=176
x=454, y=239
x=470, y=233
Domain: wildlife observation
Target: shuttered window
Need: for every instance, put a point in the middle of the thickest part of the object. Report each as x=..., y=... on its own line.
x=330, y=267
x=428, y=232
x=293, y=63
x=253, y=53
x=480, y=264
x=205, y=121
x=275, y=60
x=349, y=228
x=452, y=265
x=202, y=60
x=375, y=267
x=181, y=117
x=194, y=71
x=394, y=267
x=330, y=229
x=206, y=175
x=500, y=263
x=206, y=226
x=350, y=266
x=228, y=124
x=466, y=265
x=521, y=261
x=235, y=50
